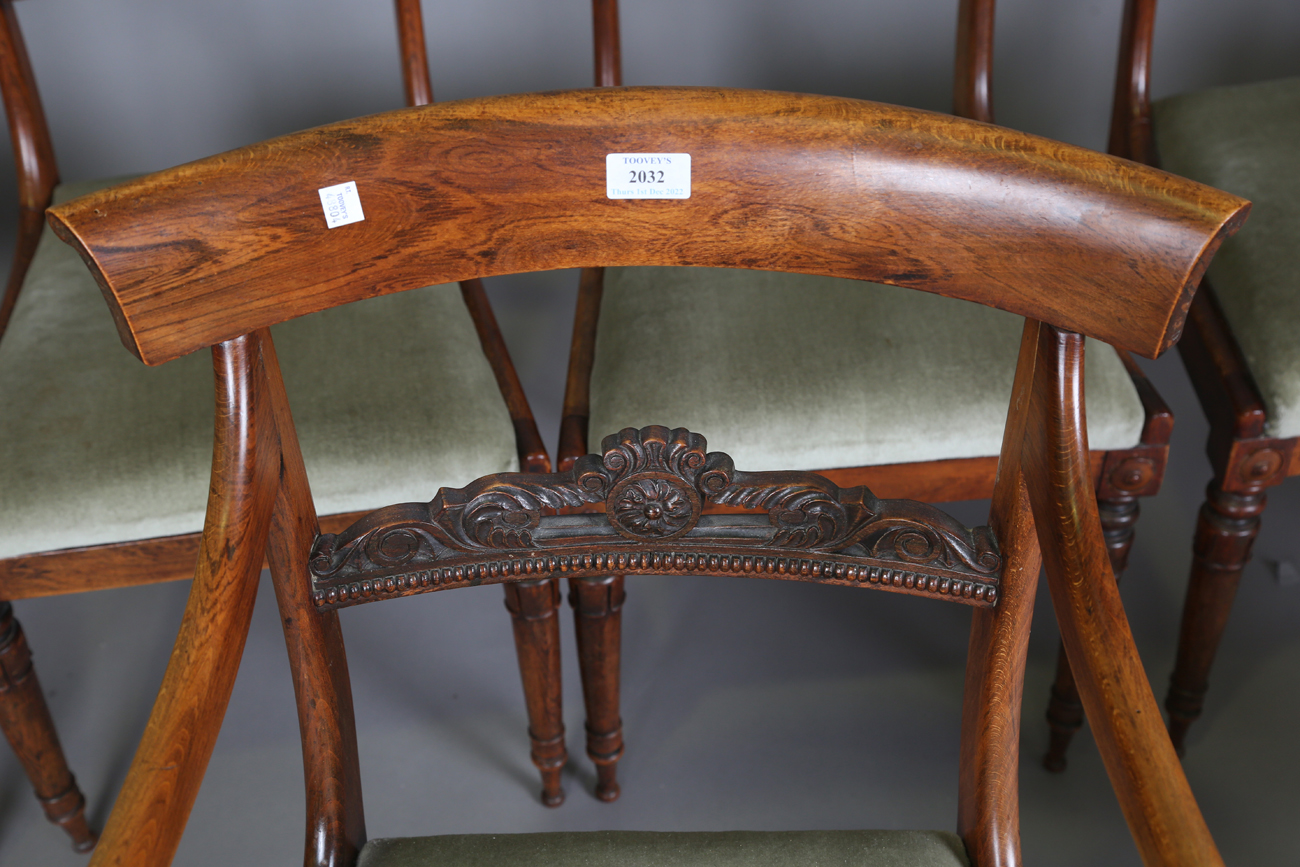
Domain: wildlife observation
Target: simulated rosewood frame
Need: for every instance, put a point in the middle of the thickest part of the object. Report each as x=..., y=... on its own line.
x=1246, y=463
x=24, y=716
x=781, y=182
x=1121, y=477
x=1042, y=497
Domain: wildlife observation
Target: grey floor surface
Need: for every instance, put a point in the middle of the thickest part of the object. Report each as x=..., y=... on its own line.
x=747, y=704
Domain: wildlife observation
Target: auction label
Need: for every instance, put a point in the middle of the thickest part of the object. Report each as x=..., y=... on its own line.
x=341, y=204
x=648, y=176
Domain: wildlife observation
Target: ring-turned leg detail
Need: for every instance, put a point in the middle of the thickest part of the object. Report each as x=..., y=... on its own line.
x=1225, y=534
x=26, y=721
x=597, y=609
x=534, y=607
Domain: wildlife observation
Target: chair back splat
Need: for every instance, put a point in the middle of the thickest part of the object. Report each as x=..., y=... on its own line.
x=1078, y=242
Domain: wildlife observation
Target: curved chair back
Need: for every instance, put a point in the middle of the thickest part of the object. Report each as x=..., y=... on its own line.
x=778, y=181
x=211, y=253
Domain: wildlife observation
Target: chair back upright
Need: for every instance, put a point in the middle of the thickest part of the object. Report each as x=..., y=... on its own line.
x=38, y=172
x=972, y=84
x=418, y=88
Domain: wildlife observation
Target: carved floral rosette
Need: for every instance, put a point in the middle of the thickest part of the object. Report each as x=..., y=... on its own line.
x=654, y=485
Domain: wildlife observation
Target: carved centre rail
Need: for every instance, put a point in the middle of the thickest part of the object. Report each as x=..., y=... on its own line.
x=654, y=484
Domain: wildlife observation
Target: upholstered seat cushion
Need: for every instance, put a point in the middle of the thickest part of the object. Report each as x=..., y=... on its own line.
x=392, y=397
x=1246, y=140
x=801, y=372
x=682, y=849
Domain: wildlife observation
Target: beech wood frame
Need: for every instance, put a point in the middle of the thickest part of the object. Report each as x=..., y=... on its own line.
x=24, y=716
x=1246, y=463
x=1042, y=496
x=1121, y=476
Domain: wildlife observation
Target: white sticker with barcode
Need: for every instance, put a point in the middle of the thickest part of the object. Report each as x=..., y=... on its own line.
x=341, y=204
x=648, y=176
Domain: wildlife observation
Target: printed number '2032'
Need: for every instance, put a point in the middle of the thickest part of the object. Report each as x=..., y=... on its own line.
x=647, y=176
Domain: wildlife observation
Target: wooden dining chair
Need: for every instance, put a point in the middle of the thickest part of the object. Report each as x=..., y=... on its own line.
x=783, y=182
x=101, y=464
x=938, y=442
x=1239, y=349
x=533, y=605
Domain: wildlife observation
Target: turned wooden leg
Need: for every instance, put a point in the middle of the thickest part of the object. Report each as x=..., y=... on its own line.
x=597, y=609
x=534, y=607
x=27, y=725
x=1225, y=533
x=1064, y=710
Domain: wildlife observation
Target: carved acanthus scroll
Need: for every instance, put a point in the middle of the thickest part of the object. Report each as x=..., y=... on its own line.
x=654, y=484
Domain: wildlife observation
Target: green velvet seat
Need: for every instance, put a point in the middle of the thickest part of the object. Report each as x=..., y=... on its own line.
x=97, y=448
x=684, y=849
x=763, y=361
x=1246, y=140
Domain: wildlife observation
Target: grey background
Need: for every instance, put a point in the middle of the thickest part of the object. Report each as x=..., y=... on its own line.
x=747, y=705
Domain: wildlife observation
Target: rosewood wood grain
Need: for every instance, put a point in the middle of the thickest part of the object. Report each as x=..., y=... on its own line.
x=336, y=828
x=171, y=558
x=28, y=727
x=988, y=811
x=508, y=198
x=654, y=482
x=149, y=816
x=598, y=623
x=1154, y=795
x=973, y=69
x=419, y=91
x=1124, y=476
x=534, y=609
